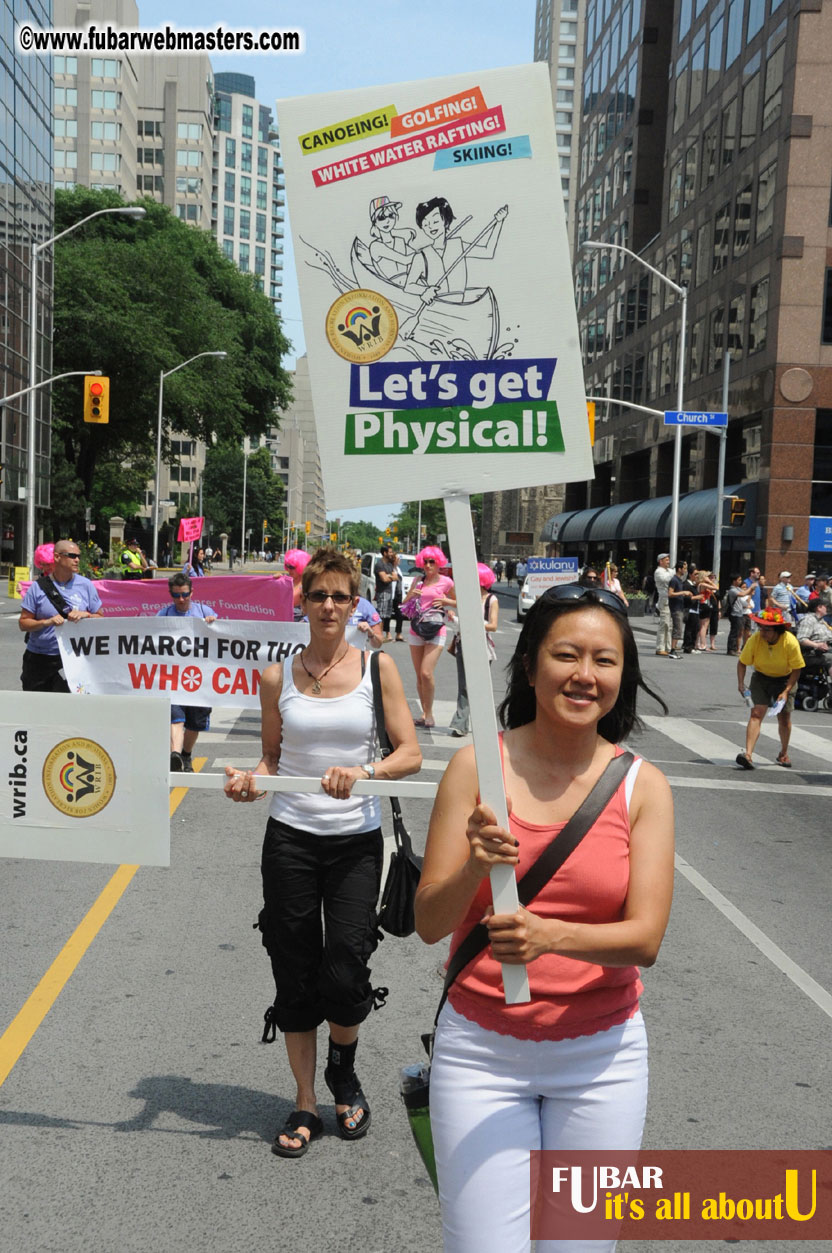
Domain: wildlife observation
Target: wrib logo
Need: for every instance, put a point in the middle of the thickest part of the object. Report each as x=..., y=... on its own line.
x=79, y=778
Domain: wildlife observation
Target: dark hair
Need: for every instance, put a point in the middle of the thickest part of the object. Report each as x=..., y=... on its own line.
x=326, y=561
x=520, y=705
x=427, y=206
x=179, y=580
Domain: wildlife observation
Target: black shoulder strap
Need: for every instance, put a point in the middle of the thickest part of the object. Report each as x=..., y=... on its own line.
x=52, y=594
x=548, y=863
x=384, y=741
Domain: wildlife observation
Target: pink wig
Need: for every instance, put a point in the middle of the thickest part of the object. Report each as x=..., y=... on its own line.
x=296, y=560
x=486, y=574
x=431, y=551
x=45, y=558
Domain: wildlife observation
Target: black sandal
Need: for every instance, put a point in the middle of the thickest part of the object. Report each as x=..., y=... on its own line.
x=343, y=1083
x=744, y=761
x=300, y=1118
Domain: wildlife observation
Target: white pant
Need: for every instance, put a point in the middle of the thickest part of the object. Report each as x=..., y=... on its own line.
x=493, y=1098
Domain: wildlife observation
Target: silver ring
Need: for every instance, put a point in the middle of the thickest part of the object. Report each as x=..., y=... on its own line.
x=244, y=793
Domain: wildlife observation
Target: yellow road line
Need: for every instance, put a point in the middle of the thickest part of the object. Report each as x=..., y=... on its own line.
x=20, y=1031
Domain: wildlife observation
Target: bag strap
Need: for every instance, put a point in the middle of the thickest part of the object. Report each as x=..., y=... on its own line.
x=400, y=832
x=547, y=864
x=54, y=597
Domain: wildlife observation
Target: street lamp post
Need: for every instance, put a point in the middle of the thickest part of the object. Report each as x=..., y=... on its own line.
x=682, y=293
x=162, y=376
x=29, y=529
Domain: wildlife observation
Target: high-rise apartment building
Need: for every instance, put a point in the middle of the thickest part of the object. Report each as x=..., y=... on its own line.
x=175, y=139
x=513, y=520
x=296, y=460
x=96, y=105
x=25, y=219
x=248, y=194
x=706, y=148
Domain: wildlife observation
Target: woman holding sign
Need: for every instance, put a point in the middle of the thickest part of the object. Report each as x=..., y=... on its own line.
x=322, y=852
x=568, y=1069
x=426, y=600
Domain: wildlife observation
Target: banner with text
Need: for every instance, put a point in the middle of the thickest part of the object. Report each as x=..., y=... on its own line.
x=236, y=596
x=185, y=659
x=435, y=282
x=86, y=780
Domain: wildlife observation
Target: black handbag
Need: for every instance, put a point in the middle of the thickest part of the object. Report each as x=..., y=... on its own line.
x=395, y=912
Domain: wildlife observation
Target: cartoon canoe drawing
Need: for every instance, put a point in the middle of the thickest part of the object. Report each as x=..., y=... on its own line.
x=467, y=321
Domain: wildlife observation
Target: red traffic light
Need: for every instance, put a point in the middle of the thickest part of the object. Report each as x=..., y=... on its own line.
x=96, y=389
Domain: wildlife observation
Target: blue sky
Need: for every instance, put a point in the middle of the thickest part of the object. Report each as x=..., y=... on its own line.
x=358, y=44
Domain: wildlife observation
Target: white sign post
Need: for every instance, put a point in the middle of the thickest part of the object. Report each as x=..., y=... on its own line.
x=436, y=290
x=87, y=780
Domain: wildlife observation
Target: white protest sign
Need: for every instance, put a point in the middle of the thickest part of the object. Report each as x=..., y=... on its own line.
x=436, y=286
x=85, y=780
x=436, y=290
x=187, y=660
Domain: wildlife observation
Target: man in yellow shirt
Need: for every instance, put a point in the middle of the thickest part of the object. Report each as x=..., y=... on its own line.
x=775, y=655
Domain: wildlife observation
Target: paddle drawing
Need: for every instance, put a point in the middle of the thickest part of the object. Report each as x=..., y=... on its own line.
x=423, y=273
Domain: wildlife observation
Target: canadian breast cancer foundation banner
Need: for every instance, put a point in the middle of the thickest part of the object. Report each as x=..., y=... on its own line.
x=187, y=660
x=436, y=286
x=248, y=596
x=85, y=780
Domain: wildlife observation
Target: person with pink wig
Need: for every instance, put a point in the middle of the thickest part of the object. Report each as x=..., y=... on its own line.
x=429, y=596
x=294, y=564
x=461, y=721
x=44, y=558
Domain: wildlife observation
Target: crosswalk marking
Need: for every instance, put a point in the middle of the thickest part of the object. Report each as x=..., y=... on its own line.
x=806, y=741
x=699, y=740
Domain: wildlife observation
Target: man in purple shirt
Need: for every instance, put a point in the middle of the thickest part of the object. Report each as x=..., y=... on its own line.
x=49, y=602
x=186, y=721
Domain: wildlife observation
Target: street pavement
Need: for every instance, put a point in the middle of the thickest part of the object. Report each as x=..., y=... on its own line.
x=141, y=1112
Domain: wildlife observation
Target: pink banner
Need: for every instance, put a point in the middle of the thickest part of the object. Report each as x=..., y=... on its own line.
x=247, y=597
x=190, y=530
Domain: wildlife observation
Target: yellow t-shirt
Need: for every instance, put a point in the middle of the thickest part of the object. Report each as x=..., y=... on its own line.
x=776, y=660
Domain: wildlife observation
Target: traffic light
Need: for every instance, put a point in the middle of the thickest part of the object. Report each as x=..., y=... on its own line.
x=590, y=413
x=737, y=511
x=308, y=526
x=96, y=399
x=387, y=530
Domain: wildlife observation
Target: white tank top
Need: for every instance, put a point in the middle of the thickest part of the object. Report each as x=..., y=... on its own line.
x=320, y=732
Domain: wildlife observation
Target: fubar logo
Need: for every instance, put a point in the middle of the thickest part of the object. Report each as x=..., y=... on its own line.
x=361, y=326
x=79, y=778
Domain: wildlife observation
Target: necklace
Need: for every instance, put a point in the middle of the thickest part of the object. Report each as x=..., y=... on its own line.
x=316, y=684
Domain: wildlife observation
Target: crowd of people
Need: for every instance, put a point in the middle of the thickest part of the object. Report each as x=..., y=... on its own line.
x=569, y=1068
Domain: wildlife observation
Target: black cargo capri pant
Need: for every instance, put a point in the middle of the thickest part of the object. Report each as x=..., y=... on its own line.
x=319, y=923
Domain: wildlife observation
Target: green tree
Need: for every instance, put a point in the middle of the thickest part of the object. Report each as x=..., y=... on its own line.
x=222, y=493
x=134, y=299
x=363, y=535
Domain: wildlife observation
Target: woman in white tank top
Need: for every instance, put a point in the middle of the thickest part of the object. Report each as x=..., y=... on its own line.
x=321, y=860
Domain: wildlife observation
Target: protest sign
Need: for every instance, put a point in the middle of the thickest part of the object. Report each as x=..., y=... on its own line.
x=86, y=780
x=187, y=660
x=190, y=530
x=436, y=286
x=436, y=291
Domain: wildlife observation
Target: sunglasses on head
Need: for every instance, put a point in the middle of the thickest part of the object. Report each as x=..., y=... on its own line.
x=337, y=598
x=574, y=591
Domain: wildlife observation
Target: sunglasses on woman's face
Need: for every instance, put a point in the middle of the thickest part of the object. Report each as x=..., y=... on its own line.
x=430, y=561
x=337, y=598
x=574, y=591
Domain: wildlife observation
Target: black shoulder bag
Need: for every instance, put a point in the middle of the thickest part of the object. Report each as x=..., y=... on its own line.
x=395, y=913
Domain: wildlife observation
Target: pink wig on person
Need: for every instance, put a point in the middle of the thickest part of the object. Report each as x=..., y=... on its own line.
x=44, y=558
x=486, y=574
x=296, y=561
x=434, y=552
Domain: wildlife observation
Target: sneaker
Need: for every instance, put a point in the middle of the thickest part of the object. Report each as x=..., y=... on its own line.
x=674, y=656
x=187, y=763
x=176, y=763
x=459, y=734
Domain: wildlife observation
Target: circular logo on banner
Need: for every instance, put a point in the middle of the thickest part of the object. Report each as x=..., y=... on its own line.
x=362, y=326
x=79, y=777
